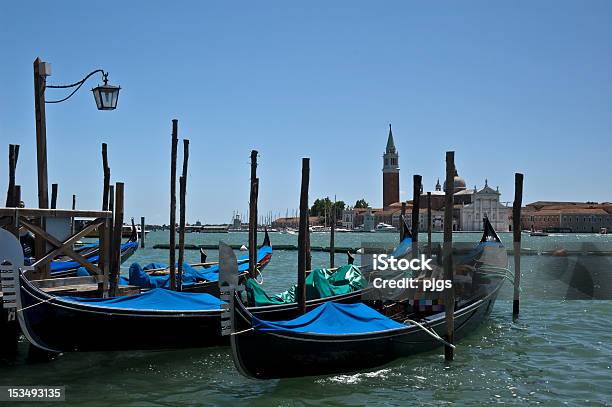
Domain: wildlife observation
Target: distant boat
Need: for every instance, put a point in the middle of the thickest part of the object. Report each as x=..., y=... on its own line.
x=539, y=234
x=603, y=231
x=317, y=229
x=383, y=227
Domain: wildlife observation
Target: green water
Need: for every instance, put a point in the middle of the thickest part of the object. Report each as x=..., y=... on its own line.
x=559, y=352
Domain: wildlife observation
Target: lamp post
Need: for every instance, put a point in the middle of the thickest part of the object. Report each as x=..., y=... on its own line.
x=105, y=97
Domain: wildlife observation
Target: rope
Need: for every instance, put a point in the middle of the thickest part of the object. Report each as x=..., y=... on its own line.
x=498, y=271
x=34, y=305
x=431, y=332
x=243, y=331
x=260, y=274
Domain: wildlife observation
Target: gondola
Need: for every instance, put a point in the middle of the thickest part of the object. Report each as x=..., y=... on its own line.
x=66, y=267
x=197, y=280
x=156, y=319
x=340, y=338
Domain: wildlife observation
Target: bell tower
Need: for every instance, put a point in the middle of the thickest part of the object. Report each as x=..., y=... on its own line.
x=390, y=173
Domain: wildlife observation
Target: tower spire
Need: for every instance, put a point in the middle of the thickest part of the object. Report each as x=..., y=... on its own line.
x=390, y=142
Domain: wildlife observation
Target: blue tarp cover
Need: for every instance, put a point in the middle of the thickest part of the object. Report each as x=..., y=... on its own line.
x=140, y=278
x=333, y=319
x=57, y=266
x=403, y=248
x=157, y=299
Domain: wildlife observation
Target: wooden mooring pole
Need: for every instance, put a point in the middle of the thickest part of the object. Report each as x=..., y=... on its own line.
x=429, y=225
x=253, y=196
x=142, y=232
x=302, y=237
x=402, y=220
x=516, y=232
x=116, y=242
x=416, y=201
x=107, y=174
x=449, y=298
x=73, y=208
x=173, y=154
x=332, y=237
x=10, y=193
x=183, y=194
x=53, y=196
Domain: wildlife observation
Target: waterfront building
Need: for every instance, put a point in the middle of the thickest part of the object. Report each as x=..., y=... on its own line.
x=580, y=217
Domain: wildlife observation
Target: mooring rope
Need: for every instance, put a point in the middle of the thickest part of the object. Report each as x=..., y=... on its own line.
x=498, y=271
x=34, y=305
x=243, y=331
x=431, y=332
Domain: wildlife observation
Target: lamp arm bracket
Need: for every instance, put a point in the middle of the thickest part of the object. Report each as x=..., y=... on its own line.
x=77, y=84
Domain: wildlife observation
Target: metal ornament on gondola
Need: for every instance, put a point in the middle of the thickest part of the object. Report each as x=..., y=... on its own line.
x=228, y=285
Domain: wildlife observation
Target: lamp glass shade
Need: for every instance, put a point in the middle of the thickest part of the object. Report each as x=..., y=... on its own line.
x=106, y=96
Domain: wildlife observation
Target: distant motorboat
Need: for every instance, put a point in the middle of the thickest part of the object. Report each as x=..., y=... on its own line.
x=539, y=234
x=603, y=231
x=317, y=229
x=384, y=227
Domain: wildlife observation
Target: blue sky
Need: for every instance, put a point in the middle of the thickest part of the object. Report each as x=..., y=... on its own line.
x=513, y=86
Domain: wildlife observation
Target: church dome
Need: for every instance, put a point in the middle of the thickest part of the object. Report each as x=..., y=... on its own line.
x=458, y=183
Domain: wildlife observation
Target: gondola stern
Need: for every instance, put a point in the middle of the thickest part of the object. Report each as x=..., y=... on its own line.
x=407, y=234
x=266, y=241
x=489, y=234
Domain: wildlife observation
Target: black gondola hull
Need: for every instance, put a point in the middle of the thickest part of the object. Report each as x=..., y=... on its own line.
x=54, y=324
x=275, y=355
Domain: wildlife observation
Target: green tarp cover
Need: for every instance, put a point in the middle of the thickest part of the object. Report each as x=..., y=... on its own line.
x=320, y=283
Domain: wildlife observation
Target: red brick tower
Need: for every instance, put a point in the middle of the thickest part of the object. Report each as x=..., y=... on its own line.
x=390, y=173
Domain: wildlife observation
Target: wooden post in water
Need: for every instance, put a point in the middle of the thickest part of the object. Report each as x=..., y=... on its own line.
x=302, y=237
x=429, y=224
x=516, y=232
x=10, y=193
x=17, y=195
x=116, y=246
x=111, y=198
x=106, y=185
x=142, y=232
x=253, y=196
x=402, y=220
x=332, y=242
x=173, y=204
x=53, y=196
x=416, y=201
x=308, y=252
x=183, y=194
x=72, y=220
x=449, y=298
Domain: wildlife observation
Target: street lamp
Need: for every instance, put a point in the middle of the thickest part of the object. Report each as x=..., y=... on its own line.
x=106, y=95
x=106, y=99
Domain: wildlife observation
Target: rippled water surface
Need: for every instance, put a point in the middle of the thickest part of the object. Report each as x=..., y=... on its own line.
x=559, y=352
